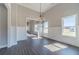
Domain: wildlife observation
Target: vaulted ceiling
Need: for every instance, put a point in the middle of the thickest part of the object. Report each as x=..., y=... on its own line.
x=36, y=6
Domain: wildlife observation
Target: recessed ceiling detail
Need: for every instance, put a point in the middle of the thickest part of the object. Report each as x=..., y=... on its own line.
x=36, y=6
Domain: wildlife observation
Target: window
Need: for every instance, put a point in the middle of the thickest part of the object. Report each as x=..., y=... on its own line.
x=41, y=27
x=69, y=26
x=36, y=30
x=38, y=27
x=46, y=27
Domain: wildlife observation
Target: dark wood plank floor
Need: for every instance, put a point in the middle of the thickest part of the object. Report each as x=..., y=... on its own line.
x=40, y=47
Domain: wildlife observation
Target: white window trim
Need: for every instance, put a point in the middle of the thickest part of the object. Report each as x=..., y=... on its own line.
x=76, y=25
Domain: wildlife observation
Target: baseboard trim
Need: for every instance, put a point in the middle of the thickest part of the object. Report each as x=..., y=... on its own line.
x=60, y=42
x=12, y=45
x=21, y=40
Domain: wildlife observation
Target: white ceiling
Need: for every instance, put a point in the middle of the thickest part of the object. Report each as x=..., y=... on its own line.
x=36, y=6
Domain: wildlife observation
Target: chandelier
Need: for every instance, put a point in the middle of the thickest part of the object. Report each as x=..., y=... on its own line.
x=39, y=18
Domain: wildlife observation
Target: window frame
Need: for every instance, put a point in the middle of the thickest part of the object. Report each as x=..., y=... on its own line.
x=76, y=24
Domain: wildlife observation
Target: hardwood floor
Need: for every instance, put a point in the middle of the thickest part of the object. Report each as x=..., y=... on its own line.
x=40, y=47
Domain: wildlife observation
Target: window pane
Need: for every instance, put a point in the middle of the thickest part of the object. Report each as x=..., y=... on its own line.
x=45, y=27
x=36, y=27
x=69, y=26
x=46, y=24
x=40, y=28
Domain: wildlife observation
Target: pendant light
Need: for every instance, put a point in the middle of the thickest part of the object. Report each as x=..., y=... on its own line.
x=41, y=16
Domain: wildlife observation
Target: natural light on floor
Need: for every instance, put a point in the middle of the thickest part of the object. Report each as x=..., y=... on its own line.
x=55, y=47
x=36, y=37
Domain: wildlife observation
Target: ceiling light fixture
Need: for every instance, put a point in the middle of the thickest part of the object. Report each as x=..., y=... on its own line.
x=41, y=16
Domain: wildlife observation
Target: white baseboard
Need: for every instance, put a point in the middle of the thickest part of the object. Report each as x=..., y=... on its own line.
x=12, y=45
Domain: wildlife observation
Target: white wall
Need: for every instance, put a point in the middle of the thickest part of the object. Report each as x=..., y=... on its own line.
x=21, y=33
x=11, y=16
x=17, y=22
x=3, y=26
x=21, y=24
x=54, y=17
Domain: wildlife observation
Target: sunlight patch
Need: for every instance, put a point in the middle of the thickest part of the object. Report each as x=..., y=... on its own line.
x=60, y=45
x=52, y=48
x=37, y=38
x=55, y=47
